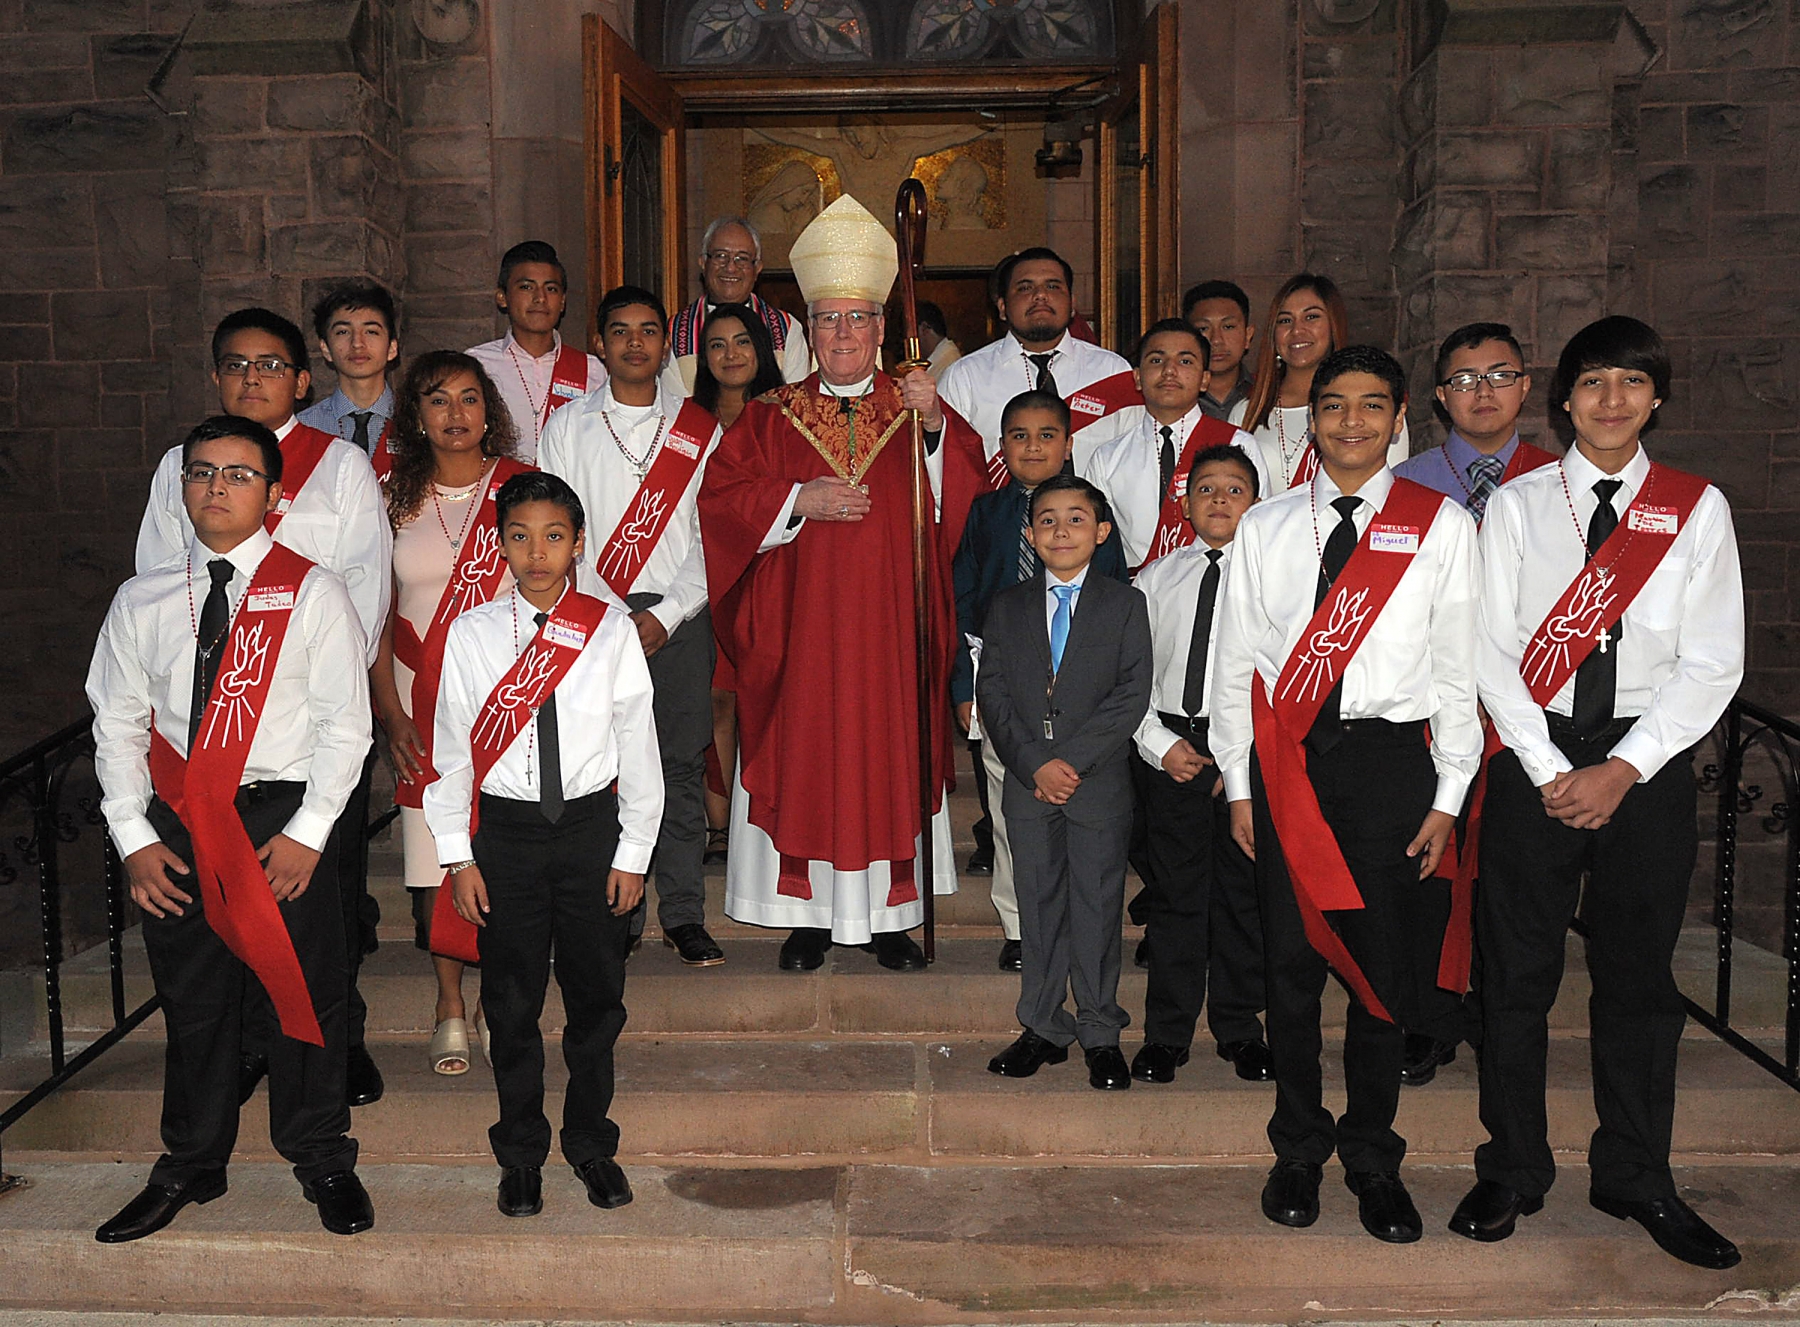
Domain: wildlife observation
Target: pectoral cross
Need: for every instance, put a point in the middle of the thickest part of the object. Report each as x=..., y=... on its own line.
x=1605, y=638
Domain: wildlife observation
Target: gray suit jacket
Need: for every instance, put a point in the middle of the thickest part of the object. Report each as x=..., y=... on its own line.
x=1100, y=697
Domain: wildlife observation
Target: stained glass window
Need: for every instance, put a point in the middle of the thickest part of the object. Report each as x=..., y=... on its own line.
x=746, y=31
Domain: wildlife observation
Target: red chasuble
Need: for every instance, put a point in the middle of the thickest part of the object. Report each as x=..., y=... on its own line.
x=510, y=708
x=301, y=451
x=202, y=790
x=1320, y=876
x=819, y=631
x=477, y=574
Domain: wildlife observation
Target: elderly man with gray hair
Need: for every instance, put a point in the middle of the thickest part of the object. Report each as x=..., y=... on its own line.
x=730, y=262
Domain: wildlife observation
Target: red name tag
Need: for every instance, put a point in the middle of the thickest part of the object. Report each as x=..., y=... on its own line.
x=1393, y=538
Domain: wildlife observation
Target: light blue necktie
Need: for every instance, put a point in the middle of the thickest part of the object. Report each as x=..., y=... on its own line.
x=1059, y=623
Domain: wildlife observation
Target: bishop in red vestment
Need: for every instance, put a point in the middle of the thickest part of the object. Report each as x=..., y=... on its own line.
x=806, y=518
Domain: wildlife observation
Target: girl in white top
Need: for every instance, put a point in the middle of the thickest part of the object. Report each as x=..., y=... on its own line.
x=1307, y=320
x=453, y=442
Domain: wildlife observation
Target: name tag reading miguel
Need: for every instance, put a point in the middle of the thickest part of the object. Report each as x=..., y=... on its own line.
x=270, y=601
x=1654, y=520
x=564, y=634
x=1393, y=538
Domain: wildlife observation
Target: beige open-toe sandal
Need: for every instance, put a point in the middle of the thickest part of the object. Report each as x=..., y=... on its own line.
x=450, y=1048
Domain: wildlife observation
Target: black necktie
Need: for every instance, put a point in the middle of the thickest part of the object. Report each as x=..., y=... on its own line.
x=550, y=789
x=1596, y=681
x=360, y=438
x=1328, y=729
x=1193, y=689
x=1167, y=457
x=1046, y=380
x=209, y=644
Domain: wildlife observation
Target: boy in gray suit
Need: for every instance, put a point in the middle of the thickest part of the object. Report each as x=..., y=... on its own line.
x=1063, y=681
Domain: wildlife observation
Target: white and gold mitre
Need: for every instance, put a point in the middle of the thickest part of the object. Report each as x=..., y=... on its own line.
x=845, y=253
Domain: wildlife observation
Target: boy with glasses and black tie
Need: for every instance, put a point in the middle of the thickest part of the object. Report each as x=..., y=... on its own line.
x=330, y=512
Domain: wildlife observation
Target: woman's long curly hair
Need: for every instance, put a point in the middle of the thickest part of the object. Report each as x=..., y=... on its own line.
x=414, y=463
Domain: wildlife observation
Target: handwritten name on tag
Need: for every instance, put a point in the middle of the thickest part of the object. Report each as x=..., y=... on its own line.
x=565, y=389
x=680, y=442
x=561, y=633
x=1087, y=405
x=269, y=601
x=1394, y=538
x=1654, y=520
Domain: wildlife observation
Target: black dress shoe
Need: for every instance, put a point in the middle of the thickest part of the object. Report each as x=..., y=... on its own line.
x=1490, y=1210
x=1423, y=1055
x=343, y=1203
x=1140, y=957
x=898, y=952
x=1012, y=956
x=362, y=1078
x=1290, y=1195
x=694, y=946
x=606, y=1183
x=157, y=1205
x=804, y=950
x=1106, y=1069
x=1677, y=1228
x=1026, y=1056
x=252, y=1069
x=521, y=1191
x=981, y=862
x=1384, y=1205
x=1251, y=1059
x=1157, y=1062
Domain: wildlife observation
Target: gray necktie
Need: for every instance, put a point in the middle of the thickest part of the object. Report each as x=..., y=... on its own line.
x=1484, y=478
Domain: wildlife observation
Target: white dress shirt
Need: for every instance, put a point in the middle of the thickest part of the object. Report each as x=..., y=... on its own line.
x=1051, y=581
x=979, y=385
x=314, y=726
x=338, y=519
x=1171, y=584
x=794, y=359
x=1129, y=471
x=604, y=727
x=578, y=447
x=1681, y=653
x=523, y=381
x=1416, y=662
x=1283, y=441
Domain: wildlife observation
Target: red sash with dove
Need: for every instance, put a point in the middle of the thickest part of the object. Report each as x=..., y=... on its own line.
x=568, y=380
x=382, y=458
x=1172, y=528
x=653, y=506
x=1087, y=406
x=1307, y=467
x=301, y=451
x=202, y=790
x=511, y=707
x=1321, y=878
x=474, y=580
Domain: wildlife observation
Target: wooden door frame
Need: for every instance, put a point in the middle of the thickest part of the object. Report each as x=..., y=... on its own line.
x=611, y=73
x=1155, y=93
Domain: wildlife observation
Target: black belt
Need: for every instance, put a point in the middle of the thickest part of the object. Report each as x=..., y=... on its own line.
x=605, y=795
x=1386, y=729
x=268, y=790
x=1562, y=729
x=1191, y=726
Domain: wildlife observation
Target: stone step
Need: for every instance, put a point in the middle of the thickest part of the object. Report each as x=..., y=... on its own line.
x=964, y=992
x=879, y=1243
x=921, y=1100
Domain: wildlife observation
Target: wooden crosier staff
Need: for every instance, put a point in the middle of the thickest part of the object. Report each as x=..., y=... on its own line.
x=909, y=230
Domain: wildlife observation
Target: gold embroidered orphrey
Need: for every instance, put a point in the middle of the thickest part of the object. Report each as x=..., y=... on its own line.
x=859, y=465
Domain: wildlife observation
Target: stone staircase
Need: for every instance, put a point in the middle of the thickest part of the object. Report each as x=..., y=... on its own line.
x=828, y=1147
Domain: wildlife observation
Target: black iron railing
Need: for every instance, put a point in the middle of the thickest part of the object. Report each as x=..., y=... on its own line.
x=37, y=780
x=1747, y=732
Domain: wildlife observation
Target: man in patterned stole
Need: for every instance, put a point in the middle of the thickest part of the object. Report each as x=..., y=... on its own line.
x=806, y=515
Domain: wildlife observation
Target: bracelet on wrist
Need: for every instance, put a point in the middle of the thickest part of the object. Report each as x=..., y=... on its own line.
x=457, y=868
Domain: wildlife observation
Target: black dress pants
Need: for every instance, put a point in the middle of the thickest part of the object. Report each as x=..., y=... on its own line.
x=1374, y=789
x=1638, y=866
x=682, y=674
x=208, y=994
x=546, y=887
x=1201, y=914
